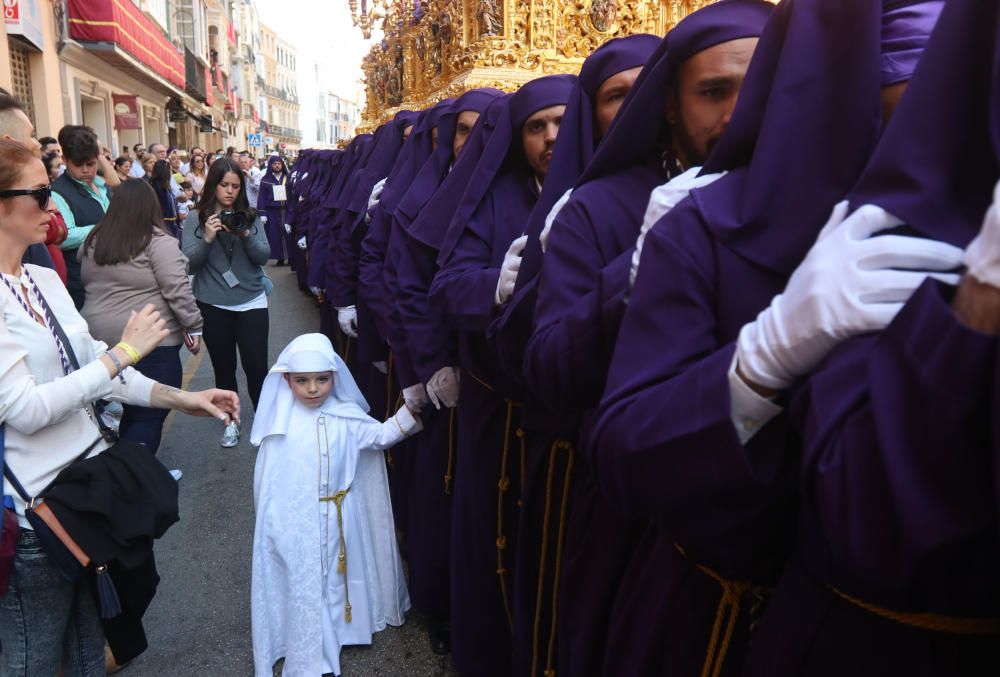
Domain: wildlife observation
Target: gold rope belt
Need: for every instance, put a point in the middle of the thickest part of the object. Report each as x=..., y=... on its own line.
x=503, y=485
x=926, y=621
x=449, y=471
x=338, y=500
x=558, y=445
x=524, y=457
x=347, y=350
x=726, y=615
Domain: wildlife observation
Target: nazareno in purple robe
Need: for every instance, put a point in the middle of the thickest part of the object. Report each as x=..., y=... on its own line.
x=548, y=436
x=492, y=212
x=274, y=209
x=897, y=556
x=581, y=289
x=429, y=493
x=707, y=268
x=296, y=257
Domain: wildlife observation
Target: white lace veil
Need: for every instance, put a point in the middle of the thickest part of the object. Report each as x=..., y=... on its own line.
x=307, y=353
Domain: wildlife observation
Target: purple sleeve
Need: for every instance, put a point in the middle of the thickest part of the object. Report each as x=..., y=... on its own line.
x=402, y=356
x=897, y=467
x=465, y=287
x=664, y=443
x=431, y=340
x=371, y=284
x=577, y=316
x=510, y=332
x=319, y=243
x=342, y=272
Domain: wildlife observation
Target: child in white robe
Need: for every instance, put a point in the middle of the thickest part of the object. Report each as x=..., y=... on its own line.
x=326, y=568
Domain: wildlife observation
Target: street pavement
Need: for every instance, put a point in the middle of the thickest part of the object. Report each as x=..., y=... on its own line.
x=199, y=623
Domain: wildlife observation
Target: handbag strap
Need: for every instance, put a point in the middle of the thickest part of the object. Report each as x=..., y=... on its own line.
x=107, y=433
x=19, y=488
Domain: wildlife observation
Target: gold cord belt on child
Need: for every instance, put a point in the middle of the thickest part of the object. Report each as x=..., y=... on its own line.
x=338, y=500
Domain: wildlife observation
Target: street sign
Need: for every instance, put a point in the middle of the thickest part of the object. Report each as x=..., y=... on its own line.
x=254, y=140
x=269, y=140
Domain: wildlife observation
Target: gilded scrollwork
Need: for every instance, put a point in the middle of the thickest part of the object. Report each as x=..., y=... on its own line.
x=437, y=49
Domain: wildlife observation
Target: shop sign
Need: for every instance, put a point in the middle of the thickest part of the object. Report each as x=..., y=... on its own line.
x=126, y=111
x=23, y=18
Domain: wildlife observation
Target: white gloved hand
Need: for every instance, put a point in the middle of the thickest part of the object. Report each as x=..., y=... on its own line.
x=415, y=397
x=850, y=283
x=443, y=387
x=376, y=194
x=263, y=220
x=662, y=200
x=508, y=271
x=982, y=257
x=316, y=291
x=382, y=366
x=550, y=219
x=288, y=228
x=347, y=318
x=302, y=243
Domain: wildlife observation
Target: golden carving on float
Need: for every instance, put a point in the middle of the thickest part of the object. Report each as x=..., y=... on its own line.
x=435, y=49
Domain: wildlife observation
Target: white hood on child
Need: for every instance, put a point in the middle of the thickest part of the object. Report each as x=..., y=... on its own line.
x=307, y=353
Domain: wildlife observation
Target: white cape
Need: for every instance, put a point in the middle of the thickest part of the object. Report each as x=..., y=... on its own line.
x=298, y=596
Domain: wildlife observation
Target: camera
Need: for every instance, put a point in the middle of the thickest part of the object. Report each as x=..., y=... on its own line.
x=236, y=222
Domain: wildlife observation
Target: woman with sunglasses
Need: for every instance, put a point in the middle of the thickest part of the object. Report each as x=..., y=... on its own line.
x=197, y=173
x=47, y=623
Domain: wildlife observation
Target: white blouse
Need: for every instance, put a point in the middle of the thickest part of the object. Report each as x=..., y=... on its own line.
x=47, y=414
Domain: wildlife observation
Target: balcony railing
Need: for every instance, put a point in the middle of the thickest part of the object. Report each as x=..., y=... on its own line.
x=279, y=93
x=275, y=130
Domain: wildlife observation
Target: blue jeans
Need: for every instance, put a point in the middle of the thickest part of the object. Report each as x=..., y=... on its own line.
x=145, y=424
x=47, y=622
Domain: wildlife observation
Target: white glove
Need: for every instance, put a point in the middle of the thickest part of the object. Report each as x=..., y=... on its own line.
x=415, y=397
x=302, y=243
x=850, y=283
x=347, y=318
x=443, y=387
x=662, y=200
x=550, y=219
x=381, y=366
x=288, y=228
x=263, y=220
x=316, y=291
x=508, y=271
x=982, y=257
x=376, y=194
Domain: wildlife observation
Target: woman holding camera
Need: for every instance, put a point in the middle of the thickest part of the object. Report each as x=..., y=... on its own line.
x=227, y=247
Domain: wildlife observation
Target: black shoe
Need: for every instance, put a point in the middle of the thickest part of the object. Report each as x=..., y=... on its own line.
x=280, y=262
x=439, y=634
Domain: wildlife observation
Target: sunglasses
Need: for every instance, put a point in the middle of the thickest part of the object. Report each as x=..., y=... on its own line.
x=41, y=195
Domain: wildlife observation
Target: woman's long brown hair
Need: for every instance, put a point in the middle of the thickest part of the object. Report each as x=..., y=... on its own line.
x=133, y=216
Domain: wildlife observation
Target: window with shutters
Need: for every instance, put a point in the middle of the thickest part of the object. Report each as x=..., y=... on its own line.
x=20, y=71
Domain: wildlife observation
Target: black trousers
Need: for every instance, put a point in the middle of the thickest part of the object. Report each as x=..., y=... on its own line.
x=224, y=332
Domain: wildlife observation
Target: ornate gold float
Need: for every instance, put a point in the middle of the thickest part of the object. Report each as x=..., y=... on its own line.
x=434, y=49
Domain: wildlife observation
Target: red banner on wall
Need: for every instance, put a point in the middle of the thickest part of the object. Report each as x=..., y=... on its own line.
x=126, y=111
x=122, y=23
x=208, y=86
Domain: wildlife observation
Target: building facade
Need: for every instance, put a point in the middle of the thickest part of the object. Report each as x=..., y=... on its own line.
x=281, y=99
x=343, y=116
x=180, y=72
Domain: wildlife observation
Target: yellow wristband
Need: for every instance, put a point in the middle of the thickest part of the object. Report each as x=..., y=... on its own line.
x=130, y=351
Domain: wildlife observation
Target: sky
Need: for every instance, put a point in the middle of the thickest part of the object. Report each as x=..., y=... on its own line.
x=322, y=32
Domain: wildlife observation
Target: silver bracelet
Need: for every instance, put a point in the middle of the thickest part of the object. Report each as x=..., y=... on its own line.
x=118, y=366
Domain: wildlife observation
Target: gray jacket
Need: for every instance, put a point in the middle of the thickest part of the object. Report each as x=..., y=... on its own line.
x=209, y=262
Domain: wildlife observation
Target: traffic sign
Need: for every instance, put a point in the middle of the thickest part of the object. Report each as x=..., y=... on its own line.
x=254, y=140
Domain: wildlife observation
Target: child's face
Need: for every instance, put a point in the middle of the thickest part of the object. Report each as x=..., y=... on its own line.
x=310, y=388
x=188, y=193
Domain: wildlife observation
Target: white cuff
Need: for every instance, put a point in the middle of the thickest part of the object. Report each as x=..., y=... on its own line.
x=407, y=422
x=749, y=411
x=137, y=389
